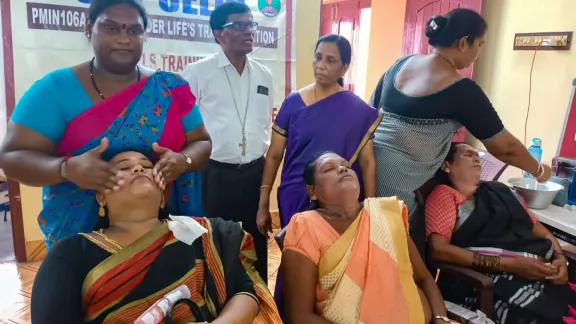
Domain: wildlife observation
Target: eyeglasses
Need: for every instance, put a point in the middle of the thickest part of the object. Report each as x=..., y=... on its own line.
x=241, y=25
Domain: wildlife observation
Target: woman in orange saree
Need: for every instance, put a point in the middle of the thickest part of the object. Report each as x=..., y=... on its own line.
x=350, y=263
x=137, y=255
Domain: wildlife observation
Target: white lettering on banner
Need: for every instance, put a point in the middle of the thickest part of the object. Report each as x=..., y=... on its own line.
x=68, y=18
x=168, y=62
x=59, y=17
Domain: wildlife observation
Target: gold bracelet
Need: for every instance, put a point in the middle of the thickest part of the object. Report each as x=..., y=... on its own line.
x=265, y=186
x=485, y=263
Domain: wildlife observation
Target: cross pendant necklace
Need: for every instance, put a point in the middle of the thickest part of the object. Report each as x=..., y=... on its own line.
x=242, y=144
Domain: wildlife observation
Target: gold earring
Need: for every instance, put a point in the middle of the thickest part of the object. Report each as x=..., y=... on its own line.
x=101, y=210
x=162, y=202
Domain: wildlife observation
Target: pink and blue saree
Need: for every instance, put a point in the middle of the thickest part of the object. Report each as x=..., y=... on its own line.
x=152, y=110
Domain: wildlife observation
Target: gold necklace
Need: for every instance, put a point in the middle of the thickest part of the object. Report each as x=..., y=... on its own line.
x=109, y=240
x=452, y=64
x=112, y=241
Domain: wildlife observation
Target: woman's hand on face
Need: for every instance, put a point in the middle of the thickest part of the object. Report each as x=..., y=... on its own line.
x=561, y=275
x=532, y=269
x=547, y=173
x=89, y=171
x=170, y=166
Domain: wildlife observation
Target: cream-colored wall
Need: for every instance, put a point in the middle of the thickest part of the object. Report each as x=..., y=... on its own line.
x=504, y=73
x=306, y=31
x=31, y=205
x=386, y=35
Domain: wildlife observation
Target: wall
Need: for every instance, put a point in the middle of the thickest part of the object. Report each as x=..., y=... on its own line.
x=386, y=34
x=504, y=73
x=307, y=29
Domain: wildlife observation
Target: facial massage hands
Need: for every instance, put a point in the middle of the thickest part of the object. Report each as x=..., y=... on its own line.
x=89, y=171
x=170, y=166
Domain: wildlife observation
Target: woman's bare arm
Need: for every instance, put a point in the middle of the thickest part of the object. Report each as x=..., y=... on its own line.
x=368, y=166
x=273, y=159
x=240, y=309
x=541, y=231
x=29, y=157
x=507, y=148
x=425, y=281
x=300, y=278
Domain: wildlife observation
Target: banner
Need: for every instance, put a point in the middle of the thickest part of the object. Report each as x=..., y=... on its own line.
x=49, y=34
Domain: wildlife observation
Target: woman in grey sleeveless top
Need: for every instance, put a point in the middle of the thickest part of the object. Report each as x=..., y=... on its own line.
x=425, y=101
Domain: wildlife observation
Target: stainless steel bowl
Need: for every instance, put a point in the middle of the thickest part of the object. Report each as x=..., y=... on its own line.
x=537, y=195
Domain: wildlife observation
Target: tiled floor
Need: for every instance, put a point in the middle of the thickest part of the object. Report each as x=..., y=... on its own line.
x=16, y=282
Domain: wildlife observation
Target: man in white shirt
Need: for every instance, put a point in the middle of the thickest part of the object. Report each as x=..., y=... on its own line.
x=235, y=97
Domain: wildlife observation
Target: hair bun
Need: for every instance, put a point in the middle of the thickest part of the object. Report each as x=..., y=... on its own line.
x=434, y=25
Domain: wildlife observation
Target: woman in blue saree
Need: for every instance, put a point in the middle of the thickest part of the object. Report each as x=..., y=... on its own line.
x=72, y=120
x=320, y=117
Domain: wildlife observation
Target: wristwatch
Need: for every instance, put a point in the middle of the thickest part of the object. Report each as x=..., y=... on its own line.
x=438, y=317
x=188, y=160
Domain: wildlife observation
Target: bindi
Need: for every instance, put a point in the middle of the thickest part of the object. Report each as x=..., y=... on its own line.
x=123, y=26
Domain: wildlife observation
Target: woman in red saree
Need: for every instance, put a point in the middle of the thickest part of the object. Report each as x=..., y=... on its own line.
x=133, y=259
x=68, y=120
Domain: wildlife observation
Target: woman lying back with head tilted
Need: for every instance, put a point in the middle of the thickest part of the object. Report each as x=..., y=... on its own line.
x=486, y=226
x=346, y=262
x=133, y=259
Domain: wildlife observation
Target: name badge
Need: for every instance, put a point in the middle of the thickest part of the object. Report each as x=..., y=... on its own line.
x=262, y=90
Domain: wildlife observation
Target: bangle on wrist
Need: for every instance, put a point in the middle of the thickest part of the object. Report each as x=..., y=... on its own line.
x=442, y=318
x=539, y=172
x=265, y=186
x=485, y=263
x=63, y=168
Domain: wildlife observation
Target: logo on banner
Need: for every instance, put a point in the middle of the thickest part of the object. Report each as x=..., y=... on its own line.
x=269, y=8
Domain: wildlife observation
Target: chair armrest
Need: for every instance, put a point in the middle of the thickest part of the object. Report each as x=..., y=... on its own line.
x=483, y=284
x=279, y=238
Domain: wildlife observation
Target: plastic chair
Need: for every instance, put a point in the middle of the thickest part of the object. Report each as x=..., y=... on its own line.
x=492, y=168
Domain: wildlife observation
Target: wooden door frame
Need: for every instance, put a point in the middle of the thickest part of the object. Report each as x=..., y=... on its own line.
x=13, y=186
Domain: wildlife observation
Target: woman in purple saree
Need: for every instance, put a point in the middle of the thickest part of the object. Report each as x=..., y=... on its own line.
x=320, y=117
